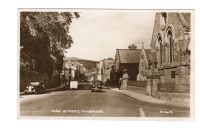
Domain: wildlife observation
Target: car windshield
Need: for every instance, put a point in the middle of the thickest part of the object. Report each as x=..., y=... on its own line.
x=34, y=83
x=83, y=81
x=97, y=82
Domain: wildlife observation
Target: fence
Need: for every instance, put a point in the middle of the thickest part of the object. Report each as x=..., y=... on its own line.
x=166, y=87
x=137, y=83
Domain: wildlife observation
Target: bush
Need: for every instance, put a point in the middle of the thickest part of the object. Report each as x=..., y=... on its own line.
x=27, y=77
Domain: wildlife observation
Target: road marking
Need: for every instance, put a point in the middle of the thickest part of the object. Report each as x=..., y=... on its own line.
x=142, y=114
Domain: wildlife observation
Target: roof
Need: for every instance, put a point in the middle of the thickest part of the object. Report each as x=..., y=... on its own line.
x=129, y=55
x=185, y=19
x=108, y=62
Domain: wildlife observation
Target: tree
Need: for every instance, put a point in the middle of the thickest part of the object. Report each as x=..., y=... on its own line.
x=43, y=39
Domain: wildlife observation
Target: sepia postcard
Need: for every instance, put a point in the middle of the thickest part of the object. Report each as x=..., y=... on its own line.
x=106, y=64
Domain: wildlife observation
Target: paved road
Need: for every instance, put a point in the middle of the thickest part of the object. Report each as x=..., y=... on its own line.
x=86, y=103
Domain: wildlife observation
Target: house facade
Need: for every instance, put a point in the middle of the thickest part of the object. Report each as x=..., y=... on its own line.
x=169, y=69
x=128, y=59
x=98, y=72
x=73, y=70
x=105, y=68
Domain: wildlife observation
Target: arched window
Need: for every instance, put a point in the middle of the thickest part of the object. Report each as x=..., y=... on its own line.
x=171, y=45
x=160, y=46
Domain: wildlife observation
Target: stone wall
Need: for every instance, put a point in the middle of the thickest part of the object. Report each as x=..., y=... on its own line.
x=174, y=97
x=173, y=19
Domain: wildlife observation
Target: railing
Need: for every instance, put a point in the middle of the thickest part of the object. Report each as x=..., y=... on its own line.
x=137, y=83
x=166, y=87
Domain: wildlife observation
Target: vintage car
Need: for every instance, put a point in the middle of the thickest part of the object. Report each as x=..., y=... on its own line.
x=35, y=87
x=97, y=85
x=84, y=85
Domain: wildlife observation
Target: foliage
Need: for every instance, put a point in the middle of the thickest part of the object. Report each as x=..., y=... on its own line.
x=43, y=39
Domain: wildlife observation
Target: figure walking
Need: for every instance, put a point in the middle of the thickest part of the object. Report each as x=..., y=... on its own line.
x=124, y=79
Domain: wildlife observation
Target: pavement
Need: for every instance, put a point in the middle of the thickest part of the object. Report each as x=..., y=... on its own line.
x=150, y=99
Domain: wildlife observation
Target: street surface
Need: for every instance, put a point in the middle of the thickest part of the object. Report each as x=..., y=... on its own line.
x=86, y=103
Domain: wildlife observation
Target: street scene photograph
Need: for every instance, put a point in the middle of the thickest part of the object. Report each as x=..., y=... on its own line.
x=94, y=63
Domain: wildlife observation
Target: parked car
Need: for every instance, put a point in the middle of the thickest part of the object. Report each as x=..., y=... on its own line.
x=97, y=85
x=85, y=85
x=35, y=87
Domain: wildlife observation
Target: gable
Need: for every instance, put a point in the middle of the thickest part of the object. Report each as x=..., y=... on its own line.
x=129, y=55
x=156, y=30
x=175, y=20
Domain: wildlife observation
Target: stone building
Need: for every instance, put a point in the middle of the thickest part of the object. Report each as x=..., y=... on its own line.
x=105, y=68
x=128, y=59
x=98, y=72
x=170, y=51
x=143, y=64
x=73, y=69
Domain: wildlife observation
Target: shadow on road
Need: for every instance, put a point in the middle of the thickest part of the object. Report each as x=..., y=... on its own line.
x=47, y=92
x=103, y=91
x=56, y=90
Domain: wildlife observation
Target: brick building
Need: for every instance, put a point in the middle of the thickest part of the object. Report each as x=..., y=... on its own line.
x=170, y=52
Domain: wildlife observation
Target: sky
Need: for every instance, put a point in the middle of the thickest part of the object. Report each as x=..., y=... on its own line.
x=97, y=34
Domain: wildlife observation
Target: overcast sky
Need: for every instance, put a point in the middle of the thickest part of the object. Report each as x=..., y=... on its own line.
x=97, y=34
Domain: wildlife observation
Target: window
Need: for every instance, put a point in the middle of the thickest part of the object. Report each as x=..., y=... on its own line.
x=173, y=73
x=171, y=48
x=161, y=49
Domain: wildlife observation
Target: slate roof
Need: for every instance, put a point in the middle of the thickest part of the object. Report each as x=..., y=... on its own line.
x=129, y=55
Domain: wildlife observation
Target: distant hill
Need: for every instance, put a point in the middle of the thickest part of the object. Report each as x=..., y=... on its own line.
x=88, y=64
